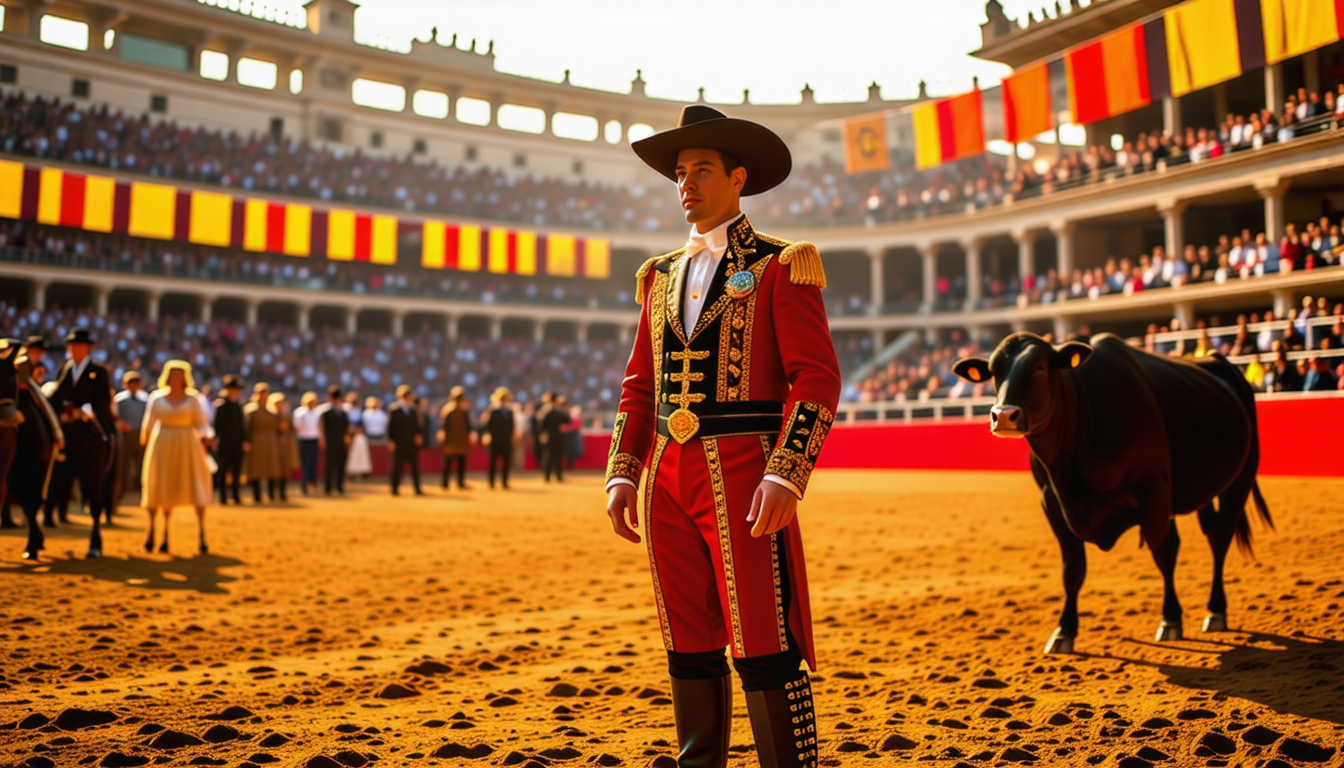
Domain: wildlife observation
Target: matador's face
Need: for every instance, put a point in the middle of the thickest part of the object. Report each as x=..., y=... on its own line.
x=709, y=192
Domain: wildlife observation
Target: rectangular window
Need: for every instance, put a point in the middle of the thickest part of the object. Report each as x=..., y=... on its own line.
x=378, y=95
x=520, y=160
x=471, y=154
x=376, y=139
x=157, y=53
x=419, y=147
x=296, y=81
x=430, y=104
x=473, y=111
x=215, y=65
x=515, y=117
x=2, y=18
x=158, y=103
x=330, y=129
x=65, y=33
x=79, y=89
x=255, y=73
x=567, y=125
x=8, y=73
x=277, y=129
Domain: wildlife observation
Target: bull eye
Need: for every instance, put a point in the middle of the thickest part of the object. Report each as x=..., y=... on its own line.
x=974, y=373
x=1077, y=359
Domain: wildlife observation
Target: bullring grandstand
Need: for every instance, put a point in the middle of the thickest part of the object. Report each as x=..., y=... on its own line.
x=277, y=198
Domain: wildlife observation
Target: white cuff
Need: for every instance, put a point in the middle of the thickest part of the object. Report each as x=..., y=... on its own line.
x=777, y=480
x=615, y=481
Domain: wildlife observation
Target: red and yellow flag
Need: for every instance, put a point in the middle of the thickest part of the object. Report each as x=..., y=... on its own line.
x=949, y=129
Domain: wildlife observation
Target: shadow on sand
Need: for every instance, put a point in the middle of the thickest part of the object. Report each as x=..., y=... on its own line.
x=199, y=573
x=1299, y=675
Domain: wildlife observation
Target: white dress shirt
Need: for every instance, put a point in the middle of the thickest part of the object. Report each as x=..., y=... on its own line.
x=307, y=423
x=705, y=251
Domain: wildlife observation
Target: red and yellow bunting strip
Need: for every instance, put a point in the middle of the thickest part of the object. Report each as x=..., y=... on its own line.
x=949, y=129
x=96, y=203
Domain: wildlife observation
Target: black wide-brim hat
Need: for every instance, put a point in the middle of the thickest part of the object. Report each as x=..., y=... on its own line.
x=757, y=148
x=36, y=342
x=79, y=336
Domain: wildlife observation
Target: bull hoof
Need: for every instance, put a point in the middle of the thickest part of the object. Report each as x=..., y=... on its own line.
x=1215, y=622
x=94, y=553
x=1058, y=643
x=1167, y=632
x=32, y=555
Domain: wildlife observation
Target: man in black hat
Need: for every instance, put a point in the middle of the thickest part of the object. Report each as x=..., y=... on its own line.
x=334, y=439
x=35, y=349
x=728, y=396
x=404, y=438
x=230, y=432
x=83, y=400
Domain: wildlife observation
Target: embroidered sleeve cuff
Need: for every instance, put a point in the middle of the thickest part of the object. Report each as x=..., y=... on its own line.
x=797, y=452
x=624, y=465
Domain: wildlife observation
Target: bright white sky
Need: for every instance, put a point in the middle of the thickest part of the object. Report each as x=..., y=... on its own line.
x=772, y=47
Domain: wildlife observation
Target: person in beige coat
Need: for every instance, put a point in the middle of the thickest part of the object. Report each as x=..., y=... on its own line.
x=261, y=443
x=286, y=443
x=456, y=437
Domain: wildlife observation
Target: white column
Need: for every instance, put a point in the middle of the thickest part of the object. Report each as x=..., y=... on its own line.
x=627, y=333
x=39, y=294
x=208, y=308
x=538, y=331
x=398, y=322
x=1026, y=253
x=1018, y=326
x=1284, y=300
x=450, y=327
x=304, y=315
x=1171, y=115
x=929, y=255
x=1274, y=96
x=496, y=329
x=877, y=275
x=1063, y=247
x=581, y=332
x=1273, y=191
x=974, y=277
x=352, y=320
x=1183, y=312
x=253, y=311
x=152, y=299
x=1063, y=328
x=879, y=339
x=1311, y=71
x=100, y=296
x=1173, y=225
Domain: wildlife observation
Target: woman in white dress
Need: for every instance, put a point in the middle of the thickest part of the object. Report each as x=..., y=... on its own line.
x=374, y=420
x=360, y=461
x=177, y=469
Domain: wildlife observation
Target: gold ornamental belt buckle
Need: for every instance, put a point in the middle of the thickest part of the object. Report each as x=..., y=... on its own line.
x=682, y=425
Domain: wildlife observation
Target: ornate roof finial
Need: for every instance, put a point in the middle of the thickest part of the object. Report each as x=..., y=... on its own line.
x=566, y=80
x=701, y=97
x=490, y=49
x=746, y=95
x=874, y=91
x=923, y=90
x=807, y=93
x=975, y=82
x=637, y=85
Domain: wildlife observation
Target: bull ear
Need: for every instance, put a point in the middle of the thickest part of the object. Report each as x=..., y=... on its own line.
x=973, y=369
x=1070, y=354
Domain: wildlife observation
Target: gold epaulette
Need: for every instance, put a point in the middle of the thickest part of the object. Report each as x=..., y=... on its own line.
x=804, y=263
x=644, y=270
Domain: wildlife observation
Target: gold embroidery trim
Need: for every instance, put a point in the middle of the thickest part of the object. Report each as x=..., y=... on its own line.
x=657, y=323
x=804, y=434
x=709, y=314
x=625, y=465
x=725, y=539
x=648, y=540
x=780, y=621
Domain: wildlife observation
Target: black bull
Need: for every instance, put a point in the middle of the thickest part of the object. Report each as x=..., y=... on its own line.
x=1120, y=438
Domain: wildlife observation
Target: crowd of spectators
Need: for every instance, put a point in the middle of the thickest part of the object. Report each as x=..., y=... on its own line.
x=369, y=363
x=1262, y=343
x=818, y=194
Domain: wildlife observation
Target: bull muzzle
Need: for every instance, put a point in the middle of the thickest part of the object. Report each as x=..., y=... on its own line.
x=1007, y=421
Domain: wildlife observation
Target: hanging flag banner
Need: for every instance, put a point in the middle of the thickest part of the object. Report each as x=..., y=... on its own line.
x=948, y=129
x=1293, y=27
x=866, y=144
x=1026, y=103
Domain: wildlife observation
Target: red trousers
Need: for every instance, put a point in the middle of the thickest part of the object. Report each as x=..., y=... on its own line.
x=716, y=585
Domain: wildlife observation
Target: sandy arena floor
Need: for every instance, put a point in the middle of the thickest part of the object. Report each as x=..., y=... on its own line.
x=479, y=628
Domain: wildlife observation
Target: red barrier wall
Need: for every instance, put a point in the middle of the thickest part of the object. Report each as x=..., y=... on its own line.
x=1297, y=437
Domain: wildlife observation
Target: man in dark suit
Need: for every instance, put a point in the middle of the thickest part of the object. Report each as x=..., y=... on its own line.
x=334, y=439
x=404, y=438
x=554, y=425
x=538, y=415
x=500, y=430
x=83, y=400
x=229, y=437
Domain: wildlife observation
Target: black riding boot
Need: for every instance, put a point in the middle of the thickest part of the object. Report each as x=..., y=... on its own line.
x=6, y=520
x=784, y=725
x=703, y=710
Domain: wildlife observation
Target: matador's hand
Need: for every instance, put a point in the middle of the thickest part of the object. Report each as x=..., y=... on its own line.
x=623, y=502
x=772, y=508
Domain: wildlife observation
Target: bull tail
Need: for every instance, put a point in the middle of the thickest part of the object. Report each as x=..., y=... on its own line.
x=1243, y=534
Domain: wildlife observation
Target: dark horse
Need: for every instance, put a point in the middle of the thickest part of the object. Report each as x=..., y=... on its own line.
x=30, y=435
x=1122, y=438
